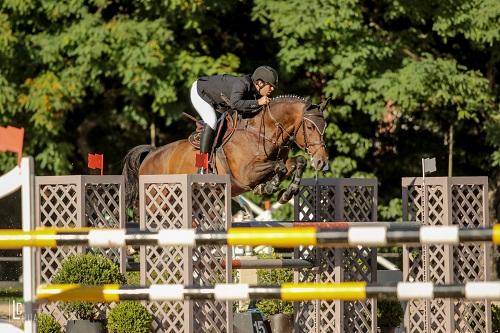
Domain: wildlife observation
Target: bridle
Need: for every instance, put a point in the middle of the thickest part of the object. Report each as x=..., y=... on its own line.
x=316, y=118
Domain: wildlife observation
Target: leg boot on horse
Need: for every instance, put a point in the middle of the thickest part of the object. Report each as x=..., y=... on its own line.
x=271, y=185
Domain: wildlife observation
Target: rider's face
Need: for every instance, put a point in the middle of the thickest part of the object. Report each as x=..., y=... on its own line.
x=265, y=88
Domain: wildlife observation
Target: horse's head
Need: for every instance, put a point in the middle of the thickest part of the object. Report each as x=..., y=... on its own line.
x=297, y=117
x=309, y=134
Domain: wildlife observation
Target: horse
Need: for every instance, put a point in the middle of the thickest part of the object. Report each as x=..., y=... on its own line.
x=255, y=155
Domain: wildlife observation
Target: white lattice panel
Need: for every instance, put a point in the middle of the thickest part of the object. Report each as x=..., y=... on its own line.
x=177, y=202
x=447, y=201
x=351, y=200
x=72, y=202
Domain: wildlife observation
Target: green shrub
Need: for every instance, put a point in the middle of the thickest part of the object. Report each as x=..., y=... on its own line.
x=495, y=318
x=11, y=292
x=133, y=278
x=497, y=264
x=47, y=324
x=129, y=317
x=389, y=313
x=87, y=269
x=274, y=277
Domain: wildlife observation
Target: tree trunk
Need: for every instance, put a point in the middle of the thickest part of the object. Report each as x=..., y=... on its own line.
x=84, y=129
x=152, y=134
x=450, y=151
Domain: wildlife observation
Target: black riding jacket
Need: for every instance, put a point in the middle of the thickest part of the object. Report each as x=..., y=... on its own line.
x=240, y=90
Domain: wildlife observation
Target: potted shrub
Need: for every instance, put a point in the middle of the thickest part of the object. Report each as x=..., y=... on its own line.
x=495, y=318
x=279, y=313
x=389, y=315
x=47, y=324
x=129, y=316
x=87, y=269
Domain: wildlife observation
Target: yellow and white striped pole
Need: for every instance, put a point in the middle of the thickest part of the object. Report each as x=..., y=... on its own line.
x=287, y=292
x=278, y=237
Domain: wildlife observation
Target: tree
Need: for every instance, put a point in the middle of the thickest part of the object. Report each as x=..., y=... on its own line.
x=78, y=71
x=408, y=79
x=405, y=77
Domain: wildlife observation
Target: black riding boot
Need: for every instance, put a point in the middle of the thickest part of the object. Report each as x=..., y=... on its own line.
x=206, y=143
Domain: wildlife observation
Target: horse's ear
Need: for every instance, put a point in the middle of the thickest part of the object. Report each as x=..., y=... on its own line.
x=324, y=104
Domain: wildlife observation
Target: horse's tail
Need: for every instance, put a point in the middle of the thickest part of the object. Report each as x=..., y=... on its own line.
x=131, y=164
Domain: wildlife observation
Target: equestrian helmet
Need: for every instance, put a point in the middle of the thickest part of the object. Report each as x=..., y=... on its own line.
x=266, y=74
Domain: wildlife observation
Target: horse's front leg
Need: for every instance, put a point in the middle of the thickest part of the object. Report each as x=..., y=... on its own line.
x=280, y=171
x=296, y=165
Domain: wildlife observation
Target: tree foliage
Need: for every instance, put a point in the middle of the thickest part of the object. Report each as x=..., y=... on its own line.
x=84, y=62
x=408, y=78
x=401, y=73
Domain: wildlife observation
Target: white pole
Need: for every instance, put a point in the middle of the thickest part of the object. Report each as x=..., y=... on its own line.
x=387, y=264
x=28, y=216
x=424, y=196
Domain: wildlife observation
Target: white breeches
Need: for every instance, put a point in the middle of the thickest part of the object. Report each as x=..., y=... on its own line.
x=205, y=110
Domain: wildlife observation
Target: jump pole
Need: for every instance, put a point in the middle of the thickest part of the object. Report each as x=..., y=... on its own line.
x=276, y=237
x=349, y=291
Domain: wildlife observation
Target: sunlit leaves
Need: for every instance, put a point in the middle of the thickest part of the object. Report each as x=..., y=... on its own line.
x=55, y=157
x=7, y=99
x=47, y=100
x=430, y=84
x=7, y=38
x=367, y=54
x=126, y=61
x=493, y=138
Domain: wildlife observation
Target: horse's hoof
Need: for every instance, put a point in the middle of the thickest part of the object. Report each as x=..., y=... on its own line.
x=293, y=190
x=258, y=190
x=284, y=197
x=283, y=201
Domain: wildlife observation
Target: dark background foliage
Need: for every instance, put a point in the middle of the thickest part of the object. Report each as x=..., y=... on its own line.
x=408, y=79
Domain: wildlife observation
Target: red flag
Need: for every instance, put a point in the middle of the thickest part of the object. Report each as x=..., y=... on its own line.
x=96, y=161
x=11, y=139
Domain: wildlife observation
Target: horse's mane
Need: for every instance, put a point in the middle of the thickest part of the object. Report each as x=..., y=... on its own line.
x=290, y=99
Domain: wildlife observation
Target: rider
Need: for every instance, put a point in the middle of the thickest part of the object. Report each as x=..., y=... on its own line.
x=245, y=94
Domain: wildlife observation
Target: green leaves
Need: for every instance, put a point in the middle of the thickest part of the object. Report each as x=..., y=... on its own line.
x=7, y=98
x=99, y=75
x=129, y=316
x=493, y=137
x=127, y=62
x=87, y=269
x=476, y=20
x=7, y=38
x=395, y=70
x=430, y=84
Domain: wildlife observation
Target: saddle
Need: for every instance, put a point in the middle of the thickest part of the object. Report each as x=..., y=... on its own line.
x=226, y=125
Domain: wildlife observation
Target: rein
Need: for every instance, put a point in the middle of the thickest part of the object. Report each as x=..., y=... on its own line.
x=285, y=135
x=278, y=126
